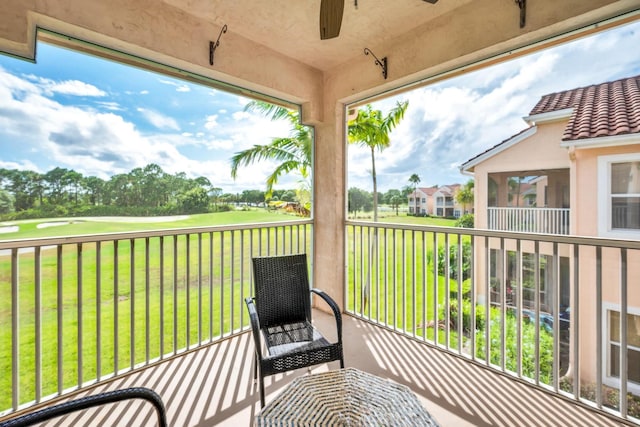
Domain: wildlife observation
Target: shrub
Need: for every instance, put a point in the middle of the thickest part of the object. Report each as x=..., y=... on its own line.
x=465, y=221
x=453, y=261
x=466, y=316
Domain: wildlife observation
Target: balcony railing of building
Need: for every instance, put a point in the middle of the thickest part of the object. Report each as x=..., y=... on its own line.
x=80, y=310
x=529, y=220
x=577, y=339
x=86, y=309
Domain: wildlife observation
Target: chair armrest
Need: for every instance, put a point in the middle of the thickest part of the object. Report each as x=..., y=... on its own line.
x=334, y=307
x=255, y=324
x=88, y=402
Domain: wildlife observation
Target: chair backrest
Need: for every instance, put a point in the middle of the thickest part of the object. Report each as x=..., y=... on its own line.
x=282, y=289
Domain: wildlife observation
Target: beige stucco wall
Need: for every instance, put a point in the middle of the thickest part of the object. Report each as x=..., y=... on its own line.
x=540, y=151
x=585, y=217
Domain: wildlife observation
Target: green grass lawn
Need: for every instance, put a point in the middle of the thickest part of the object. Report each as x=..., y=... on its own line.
x=80, y=226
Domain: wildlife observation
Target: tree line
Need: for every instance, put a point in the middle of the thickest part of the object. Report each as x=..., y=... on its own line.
x=360, y=200
x=142, y=191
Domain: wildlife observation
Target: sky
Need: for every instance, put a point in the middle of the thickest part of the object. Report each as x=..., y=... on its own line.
x=100, y=118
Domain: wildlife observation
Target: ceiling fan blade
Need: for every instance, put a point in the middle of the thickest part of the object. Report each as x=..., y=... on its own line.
x=330, y=18
x=431, y=1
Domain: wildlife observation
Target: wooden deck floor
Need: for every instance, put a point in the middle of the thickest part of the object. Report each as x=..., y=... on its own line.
x=213, y=386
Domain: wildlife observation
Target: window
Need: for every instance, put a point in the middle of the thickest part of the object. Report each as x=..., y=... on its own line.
x=619, y=195
x=424, y=200
x=612, y=359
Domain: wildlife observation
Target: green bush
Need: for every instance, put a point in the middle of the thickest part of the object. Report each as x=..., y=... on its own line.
x=453, y=261
x=528, y=352
x=466, y=316
x=465, y=221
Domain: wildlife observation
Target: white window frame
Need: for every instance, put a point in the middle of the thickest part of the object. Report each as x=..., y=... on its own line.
x=604, y=196
x=606, y=352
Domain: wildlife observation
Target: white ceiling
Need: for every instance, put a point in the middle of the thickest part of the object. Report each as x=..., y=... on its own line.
x=291, y=27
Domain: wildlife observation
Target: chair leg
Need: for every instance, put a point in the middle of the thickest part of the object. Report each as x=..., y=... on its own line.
x=261, y=391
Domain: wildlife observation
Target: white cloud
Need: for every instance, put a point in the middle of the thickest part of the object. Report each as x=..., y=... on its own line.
x=67, y=87
x=159, y=120
x=180, y=87
x=240, y=115
x=113, y=106
x=211, y=122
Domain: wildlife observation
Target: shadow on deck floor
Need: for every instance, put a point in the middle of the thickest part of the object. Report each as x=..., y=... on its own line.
x=213, y=386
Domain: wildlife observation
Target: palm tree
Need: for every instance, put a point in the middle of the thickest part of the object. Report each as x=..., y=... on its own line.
x=371, y=129
x=293, y=152
x=415, y=179
x=464, y=195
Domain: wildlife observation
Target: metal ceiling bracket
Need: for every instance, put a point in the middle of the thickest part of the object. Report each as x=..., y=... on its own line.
x=522, y=4
x=381, y=62
x=213, y=46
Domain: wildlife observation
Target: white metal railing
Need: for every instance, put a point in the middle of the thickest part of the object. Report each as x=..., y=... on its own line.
x=79, y=310
x=407, y=278
x=529, y=220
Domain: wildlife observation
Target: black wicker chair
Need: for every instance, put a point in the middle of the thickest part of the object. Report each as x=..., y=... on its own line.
x=281, y=313
x=87, y=402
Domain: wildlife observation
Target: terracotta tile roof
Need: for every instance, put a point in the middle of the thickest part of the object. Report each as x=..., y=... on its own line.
x=606, y=109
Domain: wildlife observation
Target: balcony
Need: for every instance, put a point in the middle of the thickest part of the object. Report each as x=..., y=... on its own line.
x=529, y=220
x=184, y=331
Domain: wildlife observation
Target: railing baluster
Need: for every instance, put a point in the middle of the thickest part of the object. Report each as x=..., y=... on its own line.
x=599, y=326
x=403, y=300
x=460, y=279
x=624, y=374
x=518, y=302
x=187, y=286
x=232, y=280
x=555, y=304
x=147, y=298
x=536, y=269
x=79, y=310
x=222, y=280
x=447, y=291
x=175, y=294
x=116, y=301
x=161, y=285
x=132, y=302
x=38, y=314
x=574, y=325
x=199, y=288
x=394, y=283
x=60, y=308
x=434, y=258
x=487, y=302
x=211, y=254
x=15, y=332
x=503, y=306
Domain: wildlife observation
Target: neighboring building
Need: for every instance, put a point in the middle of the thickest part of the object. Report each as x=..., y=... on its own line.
x=436, y=201
x=445, y=201
x=580, y=156
x=424, y=203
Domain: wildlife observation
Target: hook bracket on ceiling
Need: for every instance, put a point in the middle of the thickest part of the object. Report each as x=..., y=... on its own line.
x=380, y=62
x=522, y=4
x=214, y=45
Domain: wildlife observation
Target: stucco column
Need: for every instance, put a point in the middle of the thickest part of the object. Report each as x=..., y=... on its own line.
x=329, y=203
